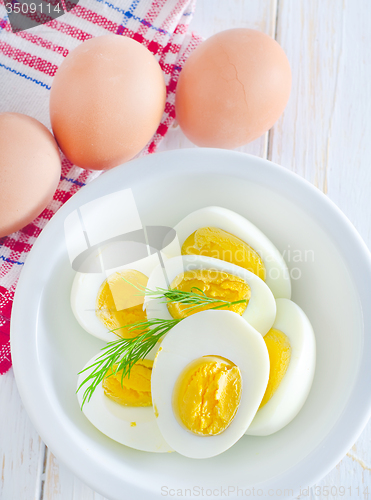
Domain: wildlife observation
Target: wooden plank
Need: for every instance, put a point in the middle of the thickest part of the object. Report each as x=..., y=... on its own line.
x=325, y=130
x=21, y=449
x=351, y=478
x=61, y=484
x=324, y=135
x=213, y=16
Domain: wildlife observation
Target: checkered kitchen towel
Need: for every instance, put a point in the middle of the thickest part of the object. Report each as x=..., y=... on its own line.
x=29, y=60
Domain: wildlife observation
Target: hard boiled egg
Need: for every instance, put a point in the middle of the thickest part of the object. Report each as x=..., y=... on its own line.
x=260, y=311
x=232, y=88
x=208, y=379
x=102, y=302
x=220, y=233
x=30, y=169
x=292, y=352
x=106, y=101
x=129, y=424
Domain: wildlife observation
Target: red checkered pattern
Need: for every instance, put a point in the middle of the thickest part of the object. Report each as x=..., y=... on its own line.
x=28, y=62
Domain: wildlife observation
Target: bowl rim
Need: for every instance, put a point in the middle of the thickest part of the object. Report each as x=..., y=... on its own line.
x=87, y=467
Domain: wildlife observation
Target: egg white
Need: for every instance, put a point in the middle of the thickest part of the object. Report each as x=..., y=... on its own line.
x=115, y=420
x=219, y=333
x=84, y=293
x=277, y=274
x=294, y=388
x=260, y=311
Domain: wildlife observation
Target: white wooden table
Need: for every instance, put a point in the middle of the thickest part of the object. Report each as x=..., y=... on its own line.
x=324, y=135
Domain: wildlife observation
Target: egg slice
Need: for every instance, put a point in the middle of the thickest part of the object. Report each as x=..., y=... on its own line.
x=292, y=352
x=218, y=285
x=102, y=302
x=260, y=312
x=132, y=425
x=220, y=233
x=208, y=379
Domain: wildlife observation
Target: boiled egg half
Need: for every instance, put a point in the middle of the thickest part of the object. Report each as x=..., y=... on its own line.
x=225, y=235
x=209, y=376
x=215, y=278
x=123, y=411
x=292, y=352
x=104, y=303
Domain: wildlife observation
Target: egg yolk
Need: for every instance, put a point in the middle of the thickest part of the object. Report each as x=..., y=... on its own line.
x=214, y=242
x=134, y=390
x=207, y=395
x=120, y=303
x=215, y=284
x=279, y=351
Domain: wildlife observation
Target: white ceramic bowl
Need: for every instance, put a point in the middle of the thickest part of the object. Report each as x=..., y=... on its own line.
x=49, y=347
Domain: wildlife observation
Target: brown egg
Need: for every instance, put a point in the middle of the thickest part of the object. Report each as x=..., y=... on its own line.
x=30, y=169
x=106, y=101
x=232, y=88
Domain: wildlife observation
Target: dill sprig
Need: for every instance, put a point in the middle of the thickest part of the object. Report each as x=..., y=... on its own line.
x=195, y=299
x=124, y=353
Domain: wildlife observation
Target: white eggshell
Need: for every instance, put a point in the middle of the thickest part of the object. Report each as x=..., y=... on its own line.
x=115, y=420
x=219, y=333
x=277, y=274
x=294, y=388
x=84, y=293
x=260, y=311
